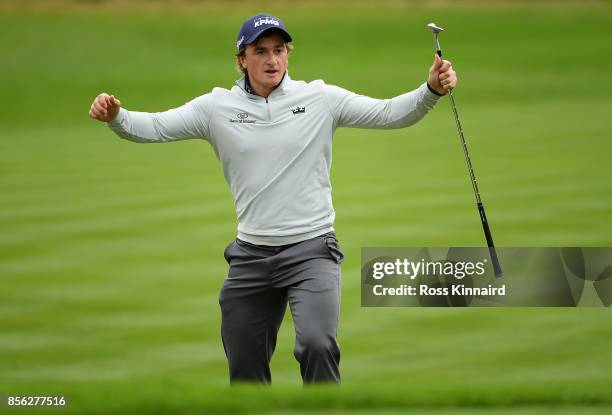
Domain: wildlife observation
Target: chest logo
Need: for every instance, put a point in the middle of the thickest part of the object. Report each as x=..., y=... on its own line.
x=242, y=118
x=298, y=110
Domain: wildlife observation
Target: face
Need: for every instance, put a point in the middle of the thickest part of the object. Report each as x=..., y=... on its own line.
x=266, y=62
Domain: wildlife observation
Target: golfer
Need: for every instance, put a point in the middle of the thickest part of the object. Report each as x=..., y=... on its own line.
x=273, y=137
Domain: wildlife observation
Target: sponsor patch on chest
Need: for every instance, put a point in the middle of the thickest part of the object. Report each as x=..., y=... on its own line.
x=298, y=110
x=242, y=118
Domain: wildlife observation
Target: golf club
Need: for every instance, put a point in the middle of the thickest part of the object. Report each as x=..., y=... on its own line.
x=435, y=30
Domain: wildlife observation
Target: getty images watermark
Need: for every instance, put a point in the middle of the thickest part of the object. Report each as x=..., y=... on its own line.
x=435, y=277
x=412, y=269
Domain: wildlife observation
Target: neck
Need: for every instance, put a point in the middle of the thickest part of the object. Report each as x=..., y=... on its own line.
x=258, y=89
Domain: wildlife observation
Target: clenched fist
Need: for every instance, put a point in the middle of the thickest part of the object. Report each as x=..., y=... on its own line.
x=442, y=77
x=105, y=107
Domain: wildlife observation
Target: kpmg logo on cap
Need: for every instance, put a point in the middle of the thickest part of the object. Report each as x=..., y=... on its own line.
x=266, y=21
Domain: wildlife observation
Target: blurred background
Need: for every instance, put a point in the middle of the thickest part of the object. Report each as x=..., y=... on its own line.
x=111, y=252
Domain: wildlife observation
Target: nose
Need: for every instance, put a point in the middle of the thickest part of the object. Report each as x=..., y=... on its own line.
x=271, y=58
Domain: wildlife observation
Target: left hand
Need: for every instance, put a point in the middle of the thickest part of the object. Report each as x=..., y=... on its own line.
x=442, y=77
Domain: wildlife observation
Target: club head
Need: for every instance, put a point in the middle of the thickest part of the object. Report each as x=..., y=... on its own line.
x=434, y=29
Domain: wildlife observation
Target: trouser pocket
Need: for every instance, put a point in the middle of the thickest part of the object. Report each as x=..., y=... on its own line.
x=226, y=252
x=333, y=247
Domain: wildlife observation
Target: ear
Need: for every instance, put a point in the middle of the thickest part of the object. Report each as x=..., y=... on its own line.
x=242, y=60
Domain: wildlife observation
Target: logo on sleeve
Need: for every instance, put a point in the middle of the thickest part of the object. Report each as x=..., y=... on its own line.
x=242, y=118
x=298, y=110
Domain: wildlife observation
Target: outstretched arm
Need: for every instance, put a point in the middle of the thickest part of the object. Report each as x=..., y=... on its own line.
x=353, y=110
x=187, y=121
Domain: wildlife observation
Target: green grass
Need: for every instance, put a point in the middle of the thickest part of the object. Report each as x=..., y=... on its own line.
x=111, y=252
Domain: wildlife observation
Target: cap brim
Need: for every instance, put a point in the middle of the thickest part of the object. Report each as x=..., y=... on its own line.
x=256, y=35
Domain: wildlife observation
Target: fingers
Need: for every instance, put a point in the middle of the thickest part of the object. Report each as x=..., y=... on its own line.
x=448, y=79
x=435, y=66
x=440, y=65
x=442, y=77
x=445, y=66
x=114, y=101
x=437, y=61
x=97, y=112
x=447, y=76
x=103, y=106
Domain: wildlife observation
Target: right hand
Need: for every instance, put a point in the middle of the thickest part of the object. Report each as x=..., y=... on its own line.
x=105, y=107
x=442, y=76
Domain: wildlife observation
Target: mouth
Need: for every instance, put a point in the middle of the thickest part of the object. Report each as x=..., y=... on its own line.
x=271, y=71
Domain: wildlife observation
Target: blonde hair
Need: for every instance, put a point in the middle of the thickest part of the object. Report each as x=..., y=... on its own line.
x=242, y=51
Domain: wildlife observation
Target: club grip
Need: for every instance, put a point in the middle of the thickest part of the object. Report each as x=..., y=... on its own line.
x=485, y=226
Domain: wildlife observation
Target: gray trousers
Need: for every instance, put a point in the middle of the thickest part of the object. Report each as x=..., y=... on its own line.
x=260, y=282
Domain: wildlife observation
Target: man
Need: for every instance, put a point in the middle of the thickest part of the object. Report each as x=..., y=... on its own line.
x=273, y=137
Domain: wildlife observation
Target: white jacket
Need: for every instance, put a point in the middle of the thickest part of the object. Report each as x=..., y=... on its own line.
x=276, y=152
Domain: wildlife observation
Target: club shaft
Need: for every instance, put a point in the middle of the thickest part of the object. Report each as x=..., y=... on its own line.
x=468, y=161
x=481, y=210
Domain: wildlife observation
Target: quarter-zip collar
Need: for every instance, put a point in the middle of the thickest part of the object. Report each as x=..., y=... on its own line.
x=281, y=89
x=247, y=86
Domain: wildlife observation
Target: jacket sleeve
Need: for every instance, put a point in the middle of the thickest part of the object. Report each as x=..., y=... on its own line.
x=187, y=121
x=352, y=110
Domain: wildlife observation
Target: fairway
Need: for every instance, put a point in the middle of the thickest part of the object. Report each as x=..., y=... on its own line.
x=111, y=252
